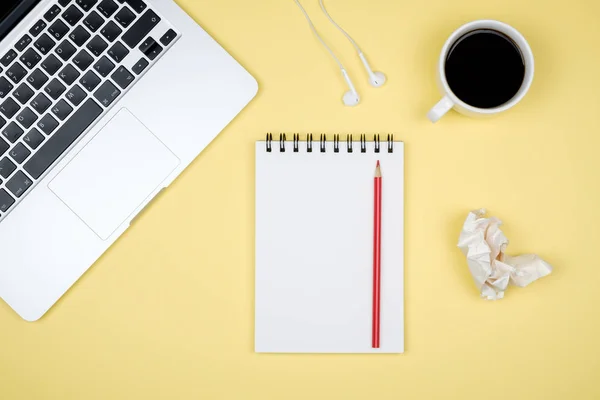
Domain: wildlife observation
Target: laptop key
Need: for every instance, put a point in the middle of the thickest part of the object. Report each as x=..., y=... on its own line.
x=72, y=15
x=79, y=36
x=23, y=93
x=3, y=147
x=26, y=118
x=30, y=58
x=168, y=37
x=55, y=88
x=6, y=200
x=125, y=17
x=68, y=74
x=111, y=31
x=9, y=108
x=47, y=124
x=123, y=77
x=64, y=137
x=141, y=28
x=93, y=21
x=76, y=95
x=118, y=52
x=66, y=50
x=86, y=5
x=12, y=132
x=52, y=13
x=83, y=60
x=16, y=72
x=8, y=57
x=64, y=2
x=140, y=66
x=107, y=93
x=19, y=153
x=154, y=51
x=23, y=42
x=5, y=87
x=44, y=44
x=58, y=30
x=137, y=5
x=41, y=103
x=62, y=110
x=33, y=139
x=2, y=123
x=6, y=166
x=37, y=28
x=52, y=64
x=37, y=79
x=89, y=81
x=147, y=44
x=19, y=184
x=107, y=7
x=97, y=46
x=104, y=66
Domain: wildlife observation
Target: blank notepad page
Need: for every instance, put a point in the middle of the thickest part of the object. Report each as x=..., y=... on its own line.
x=314, y=249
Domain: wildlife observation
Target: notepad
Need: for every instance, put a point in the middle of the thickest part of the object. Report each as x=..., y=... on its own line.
x=314, y=245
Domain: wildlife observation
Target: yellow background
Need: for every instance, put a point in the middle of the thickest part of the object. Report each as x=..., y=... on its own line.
x=167, y=313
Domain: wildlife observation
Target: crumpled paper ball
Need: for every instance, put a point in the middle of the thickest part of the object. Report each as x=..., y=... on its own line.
x=484, y=245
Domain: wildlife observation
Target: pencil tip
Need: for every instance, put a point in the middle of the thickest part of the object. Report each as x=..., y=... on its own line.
x=378, y=170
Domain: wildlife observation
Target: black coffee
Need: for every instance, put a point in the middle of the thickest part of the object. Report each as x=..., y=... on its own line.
x=485, y=68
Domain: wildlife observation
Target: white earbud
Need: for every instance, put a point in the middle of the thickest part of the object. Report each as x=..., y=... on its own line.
x=351, y=97
x=376, y=79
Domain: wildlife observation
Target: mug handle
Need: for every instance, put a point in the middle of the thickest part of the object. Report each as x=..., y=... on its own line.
x=440, y=109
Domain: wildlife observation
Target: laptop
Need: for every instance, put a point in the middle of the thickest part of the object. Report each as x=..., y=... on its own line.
x=103, y=103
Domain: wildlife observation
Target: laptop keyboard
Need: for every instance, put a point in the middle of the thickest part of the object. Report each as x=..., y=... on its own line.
x=62, y=75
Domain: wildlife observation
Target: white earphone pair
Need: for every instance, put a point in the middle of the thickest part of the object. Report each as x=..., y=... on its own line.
x=376, y=78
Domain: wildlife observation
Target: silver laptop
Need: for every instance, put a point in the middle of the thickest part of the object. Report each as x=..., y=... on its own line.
x=103, y=103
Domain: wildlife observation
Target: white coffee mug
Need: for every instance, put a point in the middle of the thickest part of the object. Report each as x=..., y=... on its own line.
x=450, y=101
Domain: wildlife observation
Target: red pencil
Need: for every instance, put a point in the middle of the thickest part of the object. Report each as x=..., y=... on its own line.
x=377, y=258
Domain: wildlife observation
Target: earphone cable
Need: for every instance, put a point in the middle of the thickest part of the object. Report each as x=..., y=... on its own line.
x=312, y=26
x=339, y=27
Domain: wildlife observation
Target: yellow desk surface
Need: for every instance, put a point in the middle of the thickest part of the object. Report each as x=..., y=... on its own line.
x=167, y=313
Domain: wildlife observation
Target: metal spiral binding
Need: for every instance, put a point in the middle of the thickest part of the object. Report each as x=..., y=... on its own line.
x=323, y=143
x=269, y=142
x=282, y=142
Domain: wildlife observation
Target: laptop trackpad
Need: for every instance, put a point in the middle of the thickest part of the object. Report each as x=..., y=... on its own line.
x=114, y=173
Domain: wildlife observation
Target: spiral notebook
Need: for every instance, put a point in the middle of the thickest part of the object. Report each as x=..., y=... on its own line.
x=314, y=244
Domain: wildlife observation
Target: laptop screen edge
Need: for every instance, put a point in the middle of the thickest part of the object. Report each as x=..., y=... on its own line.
x=15, y=14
